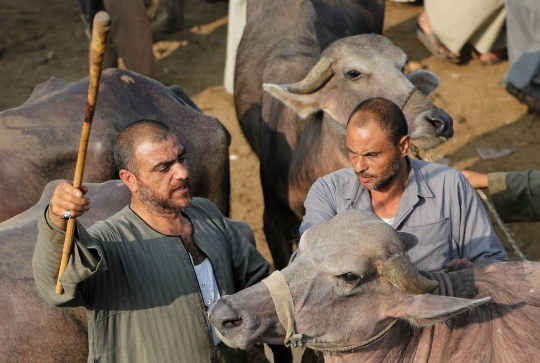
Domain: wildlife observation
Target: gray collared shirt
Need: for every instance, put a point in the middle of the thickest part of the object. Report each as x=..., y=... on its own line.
x=438, y=205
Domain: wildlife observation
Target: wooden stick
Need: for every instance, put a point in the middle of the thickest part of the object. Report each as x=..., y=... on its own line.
x=102, y=21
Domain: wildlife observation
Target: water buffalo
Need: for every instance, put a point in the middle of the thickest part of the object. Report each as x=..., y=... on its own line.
x=39, y=139
x=357, y=298
x=310, y=92
x=30, y=329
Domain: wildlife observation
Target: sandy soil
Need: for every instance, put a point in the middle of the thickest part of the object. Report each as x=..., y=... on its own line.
x=39, y=40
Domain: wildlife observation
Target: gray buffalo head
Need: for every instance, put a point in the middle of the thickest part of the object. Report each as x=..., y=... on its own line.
x=356, y=68
x=350, y=280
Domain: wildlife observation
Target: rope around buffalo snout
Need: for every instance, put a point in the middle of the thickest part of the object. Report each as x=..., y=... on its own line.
x=282, y=298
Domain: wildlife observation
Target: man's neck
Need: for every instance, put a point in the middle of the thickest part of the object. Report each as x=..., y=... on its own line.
x=171, y=224
x=385, y=201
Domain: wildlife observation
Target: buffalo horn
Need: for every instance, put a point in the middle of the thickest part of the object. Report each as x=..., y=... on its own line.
x=400, y=271
x=321, y=73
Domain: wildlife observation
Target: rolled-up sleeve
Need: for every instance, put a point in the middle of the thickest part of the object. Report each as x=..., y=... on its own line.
x=477, y=239
x=85, y=260
x=516, y=195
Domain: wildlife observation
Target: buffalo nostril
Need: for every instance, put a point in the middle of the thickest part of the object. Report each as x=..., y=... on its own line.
x=437, y=124
x=233, y=323
x=441, y=127
x=441, y=122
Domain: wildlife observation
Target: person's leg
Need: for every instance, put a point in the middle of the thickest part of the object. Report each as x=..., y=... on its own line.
x=493, y=57
x=489, y=41
x=523, y=76
x=110, y=59
x=130, y=33
x=424, y=32
x=235, y=29
x=456, y=22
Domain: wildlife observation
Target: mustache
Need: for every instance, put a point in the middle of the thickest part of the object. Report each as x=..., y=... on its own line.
x=364, y=175
x=182, y=183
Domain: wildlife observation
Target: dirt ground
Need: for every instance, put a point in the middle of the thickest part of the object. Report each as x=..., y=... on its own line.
x=43, y=39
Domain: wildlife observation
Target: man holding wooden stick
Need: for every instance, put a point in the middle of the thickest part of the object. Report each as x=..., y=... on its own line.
x=148, y=274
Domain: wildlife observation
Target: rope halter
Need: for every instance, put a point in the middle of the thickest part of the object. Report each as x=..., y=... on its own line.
x=283, y=301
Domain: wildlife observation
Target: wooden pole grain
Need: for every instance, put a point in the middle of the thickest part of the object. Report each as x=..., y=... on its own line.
x=101, y=25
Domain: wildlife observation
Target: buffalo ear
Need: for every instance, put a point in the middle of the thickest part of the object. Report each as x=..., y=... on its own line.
x=409, y=239
x=427, y=309
x=303, y=104
x=426, y=81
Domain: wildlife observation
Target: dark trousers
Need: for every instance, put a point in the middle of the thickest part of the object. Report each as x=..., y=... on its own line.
x=129, y=38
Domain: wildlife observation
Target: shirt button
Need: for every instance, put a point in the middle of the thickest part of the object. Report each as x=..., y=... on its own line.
x=203, y=285
x=208, y=302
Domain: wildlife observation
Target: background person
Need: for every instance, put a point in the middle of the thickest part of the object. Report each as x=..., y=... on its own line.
x=446, y=26
x=523, y=77
x=130, y=36
x=235, y=29
x=516, y=194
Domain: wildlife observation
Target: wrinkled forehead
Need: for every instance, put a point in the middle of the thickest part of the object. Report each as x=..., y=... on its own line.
x=156, y=140
x=372, y=49
x=351, y=234
x=151, y=146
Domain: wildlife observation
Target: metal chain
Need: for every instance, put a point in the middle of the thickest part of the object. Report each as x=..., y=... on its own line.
x=335, y=124
x=408, y=98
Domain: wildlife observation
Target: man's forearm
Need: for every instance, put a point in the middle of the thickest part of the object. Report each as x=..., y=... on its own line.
x=46, y=264
x=516, y=195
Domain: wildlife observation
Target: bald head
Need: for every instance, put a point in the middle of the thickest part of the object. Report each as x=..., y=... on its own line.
x=385, y=113
x=132, y=136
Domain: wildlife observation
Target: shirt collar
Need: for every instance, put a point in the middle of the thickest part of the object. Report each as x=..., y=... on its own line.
x=417, y=180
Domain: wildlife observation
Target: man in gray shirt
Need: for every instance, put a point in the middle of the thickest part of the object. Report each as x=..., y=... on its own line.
x=434, y=202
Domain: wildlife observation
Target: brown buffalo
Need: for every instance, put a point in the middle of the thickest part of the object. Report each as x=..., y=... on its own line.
x=30, y=329
x=358, y=298
x=40, y=139
x=315, y=69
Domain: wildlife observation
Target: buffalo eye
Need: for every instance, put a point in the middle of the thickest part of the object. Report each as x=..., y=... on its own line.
x=350, y=278
x=354, y=75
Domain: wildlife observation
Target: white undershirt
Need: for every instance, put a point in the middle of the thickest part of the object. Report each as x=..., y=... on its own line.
x=208, y=286
x=390, y=221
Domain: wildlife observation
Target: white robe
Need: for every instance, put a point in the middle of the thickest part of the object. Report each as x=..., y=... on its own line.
x=237, y=22
x=477, y=22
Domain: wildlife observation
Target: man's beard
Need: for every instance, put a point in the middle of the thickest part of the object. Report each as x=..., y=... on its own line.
x=165, y=204
x=386, y=176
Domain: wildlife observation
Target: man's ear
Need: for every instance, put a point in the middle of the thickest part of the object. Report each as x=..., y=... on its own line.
x=303, y=104
x=129, y=179
x=404, y=145
x=427, y=309
x=426, y=81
